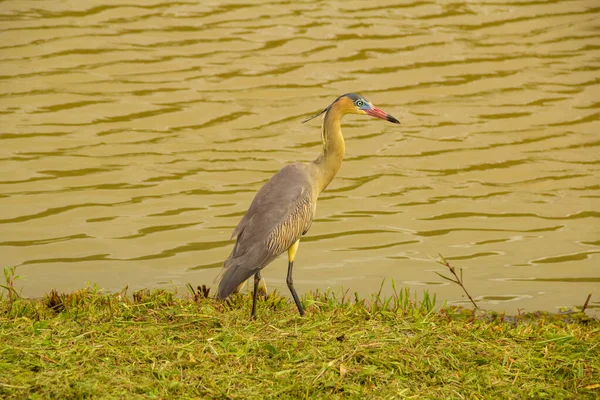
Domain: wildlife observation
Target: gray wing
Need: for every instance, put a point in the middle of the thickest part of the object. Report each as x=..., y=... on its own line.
x=279, y=215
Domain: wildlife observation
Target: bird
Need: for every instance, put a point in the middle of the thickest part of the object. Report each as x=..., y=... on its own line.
x=283, y=209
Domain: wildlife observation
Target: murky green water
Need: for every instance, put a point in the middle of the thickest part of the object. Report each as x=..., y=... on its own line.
x=133, y=138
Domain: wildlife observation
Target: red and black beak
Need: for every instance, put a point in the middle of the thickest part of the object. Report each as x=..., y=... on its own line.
x=379, y=113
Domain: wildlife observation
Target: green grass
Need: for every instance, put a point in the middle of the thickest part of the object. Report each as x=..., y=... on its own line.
x=157, y=344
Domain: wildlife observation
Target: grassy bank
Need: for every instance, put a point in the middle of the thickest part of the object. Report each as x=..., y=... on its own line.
x=156, y=344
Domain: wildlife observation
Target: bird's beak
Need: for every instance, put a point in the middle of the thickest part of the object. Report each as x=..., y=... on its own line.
x=379, y=113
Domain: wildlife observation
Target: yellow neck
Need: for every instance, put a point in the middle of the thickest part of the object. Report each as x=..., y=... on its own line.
x=330, y=160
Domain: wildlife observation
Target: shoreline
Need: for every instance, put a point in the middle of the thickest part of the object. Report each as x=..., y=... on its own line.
x=163, y=344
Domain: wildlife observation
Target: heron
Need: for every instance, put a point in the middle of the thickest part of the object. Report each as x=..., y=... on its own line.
x=283, y=209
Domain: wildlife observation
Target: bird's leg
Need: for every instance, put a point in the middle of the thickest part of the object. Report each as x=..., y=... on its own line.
x=262, y=287
x=290, y=283
x=257, y=279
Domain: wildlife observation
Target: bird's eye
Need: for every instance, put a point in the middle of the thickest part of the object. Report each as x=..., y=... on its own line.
x=359, y=103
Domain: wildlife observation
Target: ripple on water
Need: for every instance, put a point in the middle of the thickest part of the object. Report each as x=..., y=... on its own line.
x=135, y=136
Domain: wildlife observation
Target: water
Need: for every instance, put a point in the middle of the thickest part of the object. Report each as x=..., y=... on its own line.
x=133, y=138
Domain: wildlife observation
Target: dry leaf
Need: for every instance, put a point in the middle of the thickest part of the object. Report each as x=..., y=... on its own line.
x=343, y=370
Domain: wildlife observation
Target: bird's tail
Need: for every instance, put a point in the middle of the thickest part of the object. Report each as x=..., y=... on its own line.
x=232, y=279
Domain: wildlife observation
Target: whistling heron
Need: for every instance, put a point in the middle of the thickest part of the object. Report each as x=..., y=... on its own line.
x=284, y=207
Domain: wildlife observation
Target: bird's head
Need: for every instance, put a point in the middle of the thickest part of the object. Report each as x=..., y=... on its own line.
x=351, y=103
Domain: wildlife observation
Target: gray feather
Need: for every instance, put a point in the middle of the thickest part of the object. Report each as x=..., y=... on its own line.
x=279, y=215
